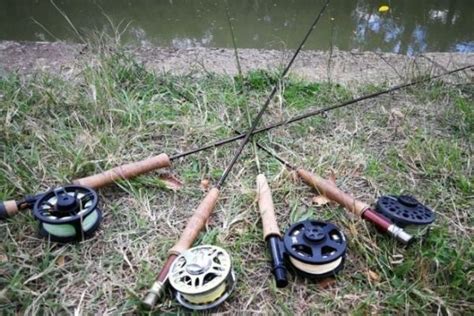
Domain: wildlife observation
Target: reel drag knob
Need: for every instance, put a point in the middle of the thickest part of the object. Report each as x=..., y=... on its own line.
x=202, y=277
x=68, y=213
x=316, y=249
x=407, y=212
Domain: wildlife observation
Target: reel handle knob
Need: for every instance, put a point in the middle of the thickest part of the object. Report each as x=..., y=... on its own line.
x=126, y=171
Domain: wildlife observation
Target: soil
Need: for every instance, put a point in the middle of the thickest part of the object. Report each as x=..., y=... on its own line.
x=344, y=67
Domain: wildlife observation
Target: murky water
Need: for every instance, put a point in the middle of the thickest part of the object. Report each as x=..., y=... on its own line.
x=410, y=26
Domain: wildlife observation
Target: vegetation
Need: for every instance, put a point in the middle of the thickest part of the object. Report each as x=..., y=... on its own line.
x=115, y=111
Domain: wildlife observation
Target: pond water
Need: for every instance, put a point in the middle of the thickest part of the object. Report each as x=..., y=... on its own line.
x=409, y=27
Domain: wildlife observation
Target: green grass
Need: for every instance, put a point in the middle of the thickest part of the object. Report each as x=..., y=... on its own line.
x=115, y=111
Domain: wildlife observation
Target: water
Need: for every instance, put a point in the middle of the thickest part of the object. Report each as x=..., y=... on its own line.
x=410, y=27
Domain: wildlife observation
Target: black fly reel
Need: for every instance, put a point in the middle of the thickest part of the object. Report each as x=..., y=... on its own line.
x=407, y=212
x=68, y=213
x=316, y=249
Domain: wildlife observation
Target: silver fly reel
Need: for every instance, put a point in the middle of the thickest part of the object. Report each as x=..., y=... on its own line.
x=202, y=277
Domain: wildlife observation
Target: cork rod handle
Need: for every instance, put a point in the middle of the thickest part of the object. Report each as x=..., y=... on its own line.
x=126, y=171
x=196, y=223
x=266, y=207
x=331, y=191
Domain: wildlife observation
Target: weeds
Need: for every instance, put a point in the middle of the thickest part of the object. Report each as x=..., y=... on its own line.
x=117, y=111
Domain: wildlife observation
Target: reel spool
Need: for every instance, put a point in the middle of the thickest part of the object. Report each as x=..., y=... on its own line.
x=407, y=212
x=316, y=249
x=68, y=213
x=202, y=277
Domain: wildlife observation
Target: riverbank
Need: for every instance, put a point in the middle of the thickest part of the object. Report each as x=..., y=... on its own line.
x=339, y=66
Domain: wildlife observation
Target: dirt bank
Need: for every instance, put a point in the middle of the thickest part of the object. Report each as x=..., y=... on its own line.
x=344, y=67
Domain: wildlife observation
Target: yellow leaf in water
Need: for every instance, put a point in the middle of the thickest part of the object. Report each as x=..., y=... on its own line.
x=384, y=8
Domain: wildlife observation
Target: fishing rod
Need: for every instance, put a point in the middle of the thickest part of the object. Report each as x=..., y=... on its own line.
x=401, y=217
x=127, y=171
x=197, y=221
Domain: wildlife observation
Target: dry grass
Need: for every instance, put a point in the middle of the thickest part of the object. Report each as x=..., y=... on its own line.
x=54, y=130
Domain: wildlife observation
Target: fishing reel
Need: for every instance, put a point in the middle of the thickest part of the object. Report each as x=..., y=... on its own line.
x=202, y=277
x=68, y=213
x=406, y=212
x=316, y=249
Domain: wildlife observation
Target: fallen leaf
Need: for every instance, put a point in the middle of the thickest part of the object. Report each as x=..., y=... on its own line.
x=373, y=276
x=327, y=283
x=384, y=8
x=294, y=176
x=320, y=200
x=60, y=261
x=171, y=182
x=205, y=184
x=3, y=258
x=396, y=113
x=332, y=176
x=395, y=118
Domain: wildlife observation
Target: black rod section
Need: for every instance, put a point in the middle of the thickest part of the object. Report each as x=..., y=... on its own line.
x=275, y=246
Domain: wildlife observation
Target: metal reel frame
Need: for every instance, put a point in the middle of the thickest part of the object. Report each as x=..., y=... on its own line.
x=201, y=273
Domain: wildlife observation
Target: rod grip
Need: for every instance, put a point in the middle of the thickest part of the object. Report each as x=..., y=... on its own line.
x=126, y=171
x=8, y=209
x=266, y=207
x=331, y=191
x=196, y=223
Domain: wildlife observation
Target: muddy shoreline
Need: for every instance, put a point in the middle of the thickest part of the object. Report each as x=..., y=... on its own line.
x=345, y=67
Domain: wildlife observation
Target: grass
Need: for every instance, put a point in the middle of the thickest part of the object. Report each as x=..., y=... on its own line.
x=115, y=111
